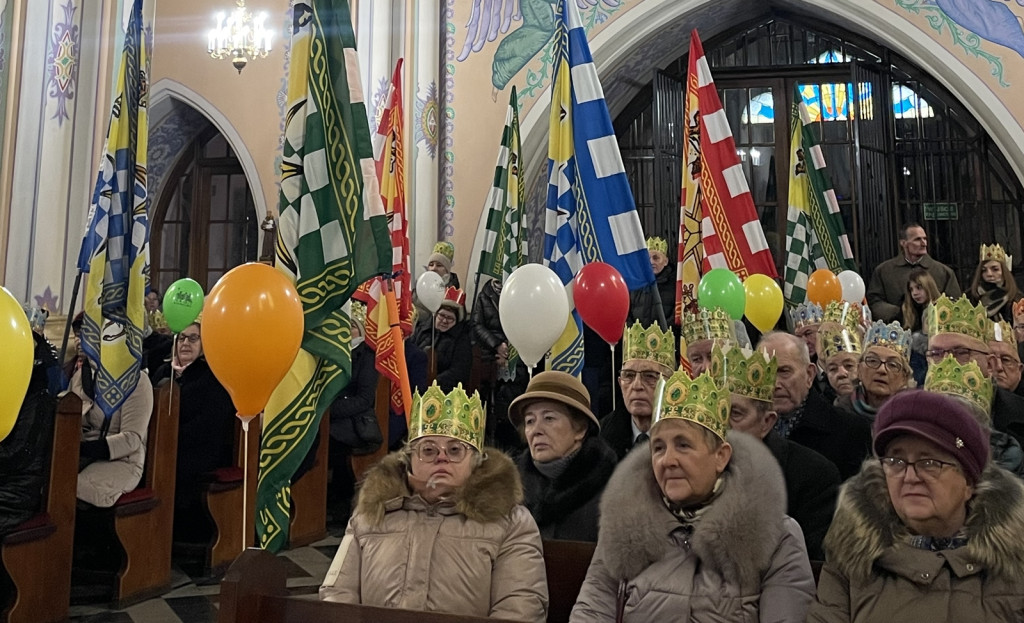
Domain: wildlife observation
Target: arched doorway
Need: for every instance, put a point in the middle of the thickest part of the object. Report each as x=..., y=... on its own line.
x=900, y=146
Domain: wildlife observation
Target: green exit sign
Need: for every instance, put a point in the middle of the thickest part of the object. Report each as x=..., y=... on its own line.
x=940, y=212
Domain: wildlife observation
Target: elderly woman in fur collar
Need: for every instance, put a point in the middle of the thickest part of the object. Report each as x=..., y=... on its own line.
x=439, y=526
x=694, y=529
x=931, y=530
x=568, y=464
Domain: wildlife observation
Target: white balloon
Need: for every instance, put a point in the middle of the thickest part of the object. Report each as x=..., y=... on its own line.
x=430, y=290
x=533, y=309
x=853, y=286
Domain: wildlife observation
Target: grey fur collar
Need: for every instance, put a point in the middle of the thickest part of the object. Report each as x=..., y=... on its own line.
x=732, y=538
x=490, y=492
x=865, y=524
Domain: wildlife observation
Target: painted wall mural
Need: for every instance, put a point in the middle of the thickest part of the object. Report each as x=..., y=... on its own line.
x=62, y=59
x=426, y=119
x=974, y=25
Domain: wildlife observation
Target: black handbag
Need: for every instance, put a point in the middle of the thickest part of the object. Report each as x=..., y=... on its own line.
x=359, y=432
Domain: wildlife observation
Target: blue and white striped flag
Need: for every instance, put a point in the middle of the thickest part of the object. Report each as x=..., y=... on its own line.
x=590, y=214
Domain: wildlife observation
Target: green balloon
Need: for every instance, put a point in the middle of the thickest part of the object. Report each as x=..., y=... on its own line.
x=720, y=287
x=183, y=302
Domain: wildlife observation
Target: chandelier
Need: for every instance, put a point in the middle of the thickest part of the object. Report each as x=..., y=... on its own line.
x=239, y=36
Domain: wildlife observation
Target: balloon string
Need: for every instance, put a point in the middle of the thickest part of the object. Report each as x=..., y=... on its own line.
x=613, y=375
x=245, y=474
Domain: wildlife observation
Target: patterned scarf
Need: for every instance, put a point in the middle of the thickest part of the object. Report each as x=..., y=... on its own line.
x=936, y=544
x=993, y=297
x=786, y=423
x=690, y=515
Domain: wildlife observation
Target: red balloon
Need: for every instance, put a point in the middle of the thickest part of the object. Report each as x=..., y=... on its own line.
x=602, y=298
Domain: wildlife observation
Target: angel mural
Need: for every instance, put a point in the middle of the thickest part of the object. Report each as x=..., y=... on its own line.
x=998, y=21
x=489, y=17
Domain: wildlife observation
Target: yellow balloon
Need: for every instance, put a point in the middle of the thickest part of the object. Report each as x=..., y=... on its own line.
x=16, y=363
x=764, y=302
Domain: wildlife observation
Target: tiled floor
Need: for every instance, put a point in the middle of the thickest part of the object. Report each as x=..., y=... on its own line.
x=194, y=600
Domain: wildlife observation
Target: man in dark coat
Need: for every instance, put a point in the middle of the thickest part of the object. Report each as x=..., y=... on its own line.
x=648, y=355
x=812, y=481
x=804, y=416
x=643, y=302
x=889, y=280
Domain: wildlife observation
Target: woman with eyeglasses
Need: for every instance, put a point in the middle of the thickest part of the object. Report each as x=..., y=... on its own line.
x=448, y=341
x=929, y=530
x=206, y=425
x=439, y=526
x=883, y=370
x=568, y=464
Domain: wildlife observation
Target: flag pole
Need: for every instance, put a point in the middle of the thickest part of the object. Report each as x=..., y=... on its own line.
x=70, y=318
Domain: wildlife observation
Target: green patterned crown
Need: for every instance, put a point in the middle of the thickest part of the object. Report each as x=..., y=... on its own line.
x=891, y=335
x=455, y=415
x=651, y=344
x=1002, y=331
x=843, y=313
x=446, y=249
x=654, y=243
x=834, y=339
x=966, y=380
x=745, y=372
x=948, y=316
x=707, y=324
x=699, y=400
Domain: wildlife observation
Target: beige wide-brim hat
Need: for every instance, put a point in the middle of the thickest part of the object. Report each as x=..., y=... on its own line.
x=560, y=387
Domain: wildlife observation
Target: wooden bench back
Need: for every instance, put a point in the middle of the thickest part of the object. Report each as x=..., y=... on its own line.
x=566, y=564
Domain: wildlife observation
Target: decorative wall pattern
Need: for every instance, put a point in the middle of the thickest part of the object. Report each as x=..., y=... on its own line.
x=425, y=120
x=447, y=229
x=168, y=138
x=62, y=61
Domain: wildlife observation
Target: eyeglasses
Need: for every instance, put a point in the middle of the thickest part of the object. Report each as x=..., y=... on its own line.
x=429, y=452
x=648, y=377
x=1009, y=363
x=892, y=365
x=191, y=338
x=446, y=318
x=962, y=354
x=928, y=469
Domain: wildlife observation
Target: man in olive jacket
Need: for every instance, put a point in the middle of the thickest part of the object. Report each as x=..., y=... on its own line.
x=889, y=280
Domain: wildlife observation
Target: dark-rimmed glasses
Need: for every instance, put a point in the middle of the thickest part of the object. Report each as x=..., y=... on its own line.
x=892, y=365
x=191, y=338
x=928, y=469
x=962, y=354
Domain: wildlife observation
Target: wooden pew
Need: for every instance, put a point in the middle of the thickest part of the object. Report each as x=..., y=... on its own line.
x=566, y=564
x=223, y=501
x=309, y=495
x=144, y=518
x=37, y=554
x=254, y=591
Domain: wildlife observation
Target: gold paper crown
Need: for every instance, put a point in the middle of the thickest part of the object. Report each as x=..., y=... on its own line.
x=654, y=243
x=805, y=314
x=843, y=313
x=967, y=381
x=456, y=415
x=960, y=316
x=713, y=324
x=997, y=253
x=651, y=344
x=446, y=249
x=835, y=338
x=358, y=312
x=1018, y=308
x=745, y=372
x=699, y=400
x=1002, y=331
x=890, y=335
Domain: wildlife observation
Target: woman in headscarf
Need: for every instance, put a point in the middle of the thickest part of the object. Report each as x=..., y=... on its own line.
x=693, y=526
x=930, y=529
x=568, y=464
x=439, y=526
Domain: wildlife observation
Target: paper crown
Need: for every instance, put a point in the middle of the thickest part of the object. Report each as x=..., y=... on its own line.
x=948, y=316
x=966, y=380
x=651, y=344
x=358, y=312
x=654, y=243
x=745, y=372
x=805, y=314
x=699, y=400
x=997, y=253
x=713, y=324
x=455, y=415
x=454, y=296
x=834, y=339
x=843, y=313
x=1018, y=308
x=1002, y=331
x=446, y=249
x=890, y=335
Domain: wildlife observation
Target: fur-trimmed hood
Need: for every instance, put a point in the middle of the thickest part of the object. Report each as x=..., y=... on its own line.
x=490, y=492
x=865, y=525
x=736, y=535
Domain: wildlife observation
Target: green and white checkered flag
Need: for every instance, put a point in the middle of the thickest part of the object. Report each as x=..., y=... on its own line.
x=815, y=234
x=333, y=235
x=503, y=250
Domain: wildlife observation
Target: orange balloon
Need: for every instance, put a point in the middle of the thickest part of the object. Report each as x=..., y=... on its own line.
x=252, y=330
x=823, y=287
